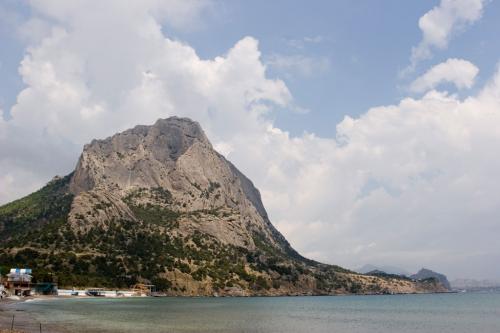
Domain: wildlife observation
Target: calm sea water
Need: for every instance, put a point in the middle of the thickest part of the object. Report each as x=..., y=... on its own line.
x=455, y=313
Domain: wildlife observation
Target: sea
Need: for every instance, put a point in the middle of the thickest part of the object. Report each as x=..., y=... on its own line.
x=454, y=313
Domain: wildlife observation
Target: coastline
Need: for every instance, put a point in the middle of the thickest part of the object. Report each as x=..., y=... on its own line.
x=23, y=321
x=27, y=320
x=237, y=314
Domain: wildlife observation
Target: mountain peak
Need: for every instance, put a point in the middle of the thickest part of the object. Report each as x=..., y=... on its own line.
x=180, y=128
x=425, y=273
x=157, y=204
x=136, y=155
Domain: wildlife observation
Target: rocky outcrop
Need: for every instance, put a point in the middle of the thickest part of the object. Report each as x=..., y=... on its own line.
x=174, y=155
x=158, y=204
x=425, y=273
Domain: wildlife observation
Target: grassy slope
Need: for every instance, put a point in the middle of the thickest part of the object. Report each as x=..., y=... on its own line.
x=43, y=211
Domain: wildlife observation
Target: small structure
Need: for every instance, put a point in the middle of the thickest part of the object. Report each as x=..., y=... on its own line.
x=19, y=281
x=96, y=292
x=141, y=289
x=45, y=288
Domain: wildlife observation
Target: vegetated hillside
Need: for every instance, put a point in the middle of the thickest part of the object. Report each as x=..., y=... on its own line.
x=158, y=204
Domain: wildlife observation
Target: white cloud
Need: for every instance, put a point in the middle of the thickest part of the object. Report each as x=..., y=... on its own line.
x=417, y=178
x=180, y=14
x=440, y=24
x=301, y=65
x=33, y=30
x=95, y=74
x=315, y=39
x=461, y=73
x=412, y=184
x=15, y=181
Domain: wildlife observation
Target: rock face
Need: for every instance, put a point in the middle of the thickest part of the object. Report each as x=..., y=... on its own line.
x=175, y=156
x=158, y=204
x=427, y=274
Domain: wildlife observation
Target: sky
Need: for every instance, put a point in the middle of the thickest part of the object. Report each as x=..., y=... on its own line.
x=371, y=128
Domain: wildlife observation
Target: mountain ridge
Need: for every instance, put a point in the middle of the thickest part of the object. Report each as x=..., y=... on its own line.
x=158, y=204
x=386, y=269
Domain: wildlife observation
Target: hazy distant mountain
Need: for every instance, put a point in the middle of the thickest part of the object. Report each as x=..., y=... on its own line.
x=427, y=273
x=471, y=284
x=157, y=204
x=386, y=269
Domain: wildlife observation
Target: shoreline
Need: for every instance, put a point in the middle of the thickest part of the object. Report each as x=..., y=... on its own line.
x=8, y=304
x=17, y=320
x=17, y=299
x=28, y=321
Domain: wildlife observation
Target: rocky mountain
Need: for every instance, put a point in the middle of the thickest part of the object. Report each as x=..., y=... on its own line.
x=425, y=273
x=158, y=204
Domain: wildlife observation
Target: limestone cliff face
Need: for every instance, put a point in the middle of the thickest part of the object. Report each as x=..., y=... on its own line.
x=142, y=156
x=158, y=204
x=175, y=155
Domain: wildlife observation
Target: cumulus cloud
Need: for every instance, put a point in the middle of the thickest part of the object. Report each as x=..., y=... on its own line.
x=94, y=74
x=412, y=184
x=461, y=73
x=178, y=13
x=440, y=24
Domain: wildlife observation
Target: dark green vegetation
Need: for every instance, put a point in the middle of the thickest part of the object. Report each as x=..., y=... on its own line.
x=206, y=236
x=387, y=275
x=36, y=234
x=43, y=211
x=117, y=253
